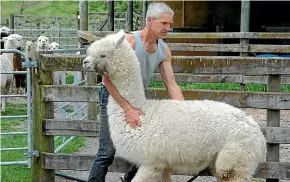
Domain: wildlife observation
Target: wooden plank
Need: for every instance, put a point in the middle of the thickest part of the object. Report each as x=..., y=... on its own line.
x=208, y=47
x=61, y=62
x=230, y=65
x=207, y=78
x=220, y=35
x=90, y=128
x=84, y=162
x=269, y=48
x=56, y=127
x=79, y=162
x=229, y=48
x=68, y=93
x=188, y=64
x=219, y=78
x=229, y=35
x=276, y=135
x=262, y=100
x=274, y=170
x=240, y=99
x=87, y=36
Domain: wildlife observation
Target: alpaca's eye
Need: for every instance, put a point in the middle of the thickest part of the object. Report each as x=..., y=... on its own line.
x=102, y=56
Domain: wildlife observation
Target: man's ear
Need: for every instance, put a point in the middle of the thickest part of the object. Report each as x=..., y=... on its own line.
x=149, y=20
x=119, y=38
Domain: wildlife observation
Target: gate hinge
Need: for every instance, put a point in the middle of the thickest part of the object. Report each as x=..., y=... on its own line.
x=31, y=154
x=30, y=64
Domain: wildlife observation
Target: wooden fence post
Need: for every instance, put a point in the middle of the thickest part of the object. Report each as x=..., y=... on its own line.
x=130, y=15
x=90, y=76
x=145, y=8
x=11, y=23
x=111, y=15
x=273, y=120
x=41, y=110
x=244, y=27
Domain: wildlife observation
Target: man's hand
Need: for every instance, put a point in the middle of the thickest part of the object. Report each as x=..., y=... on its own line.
x=133, y=117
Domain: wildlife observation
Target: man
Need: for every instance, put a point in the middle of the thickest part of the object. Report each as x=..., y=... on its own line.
x=152, y=52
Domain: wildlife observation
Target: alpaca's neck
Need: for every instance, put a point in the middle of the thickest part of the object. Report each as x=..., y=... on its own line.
x=130, y=88
x=9, y=56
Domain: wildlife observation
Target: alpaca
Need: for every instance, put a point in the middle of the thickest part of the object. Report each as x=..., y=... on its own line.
x=42, y=43
x=54, y=46
x=176, y=137
x=30, y=50
x=6, y=64
x=5, y=31
x=20, y=79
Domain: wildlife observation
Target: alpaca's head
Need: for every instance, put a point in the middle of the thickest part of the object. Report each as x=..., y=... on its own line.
x=28, y=45
x=13, y=41
x=5, y=31
x=42, y=42
x=54, y=46
x=111, y=54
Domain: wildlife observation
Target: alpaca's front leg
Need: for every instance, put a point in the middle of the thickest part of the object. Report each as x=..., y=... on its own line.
x=148, y=174
x=3, y=104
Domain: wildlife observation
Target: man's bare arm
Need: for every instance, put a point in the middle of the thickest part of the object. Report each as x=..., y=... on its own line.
x=168, y=76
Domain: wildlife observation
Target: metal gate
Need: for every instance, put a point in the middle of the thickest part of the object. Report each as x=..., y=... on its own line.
x=28, y=64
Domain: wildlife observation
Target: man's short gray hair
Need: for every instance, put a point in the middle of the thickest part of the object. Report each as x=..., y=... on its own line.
x=156, y=9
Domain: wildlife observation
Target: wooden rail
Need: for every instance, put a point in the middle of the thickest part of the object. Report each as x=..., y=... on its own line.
x=272, y=71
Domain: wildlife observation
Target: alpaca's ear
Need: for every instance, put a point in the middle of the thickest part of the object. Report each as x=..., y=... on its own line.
x=119, y=38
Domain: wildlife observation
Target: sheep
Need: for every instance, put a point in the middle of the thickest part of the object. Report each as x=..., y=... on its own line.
x=6, y=64
x=42, y=43
x=176, y=137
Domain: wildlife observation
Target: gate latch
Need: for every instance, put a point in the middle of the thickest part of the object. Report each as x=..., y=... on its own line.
x=31, y=154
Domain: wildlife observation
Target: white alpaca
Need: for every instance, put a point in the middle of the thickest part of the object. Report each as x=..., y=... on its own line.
x=42, y=43
x=54, y=46
x=6, y=64
x=5, y=30
x=176, y=137
x=30, y=50
x=56, y=74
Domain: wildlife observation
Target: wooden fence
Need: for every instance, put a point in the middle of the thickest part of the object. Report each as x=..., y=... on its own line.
x=272, y=71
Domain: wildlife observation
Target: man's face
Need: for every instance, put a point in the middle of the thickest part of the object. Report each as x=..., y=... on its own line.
x=161, y=25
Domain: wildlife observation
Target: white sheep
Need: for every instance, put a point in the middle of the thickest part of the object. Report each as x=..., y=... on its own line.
x=176, y=137
x=42, y=43
x=54, y=46
x=6, y=64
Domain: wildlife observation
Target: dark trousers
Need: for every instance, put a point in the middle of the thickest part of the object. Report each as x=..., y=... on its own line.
x=105, y=155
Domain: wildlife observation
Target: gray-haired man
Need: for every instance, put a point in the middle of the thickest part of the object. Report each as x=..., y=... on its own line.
x=152, y=53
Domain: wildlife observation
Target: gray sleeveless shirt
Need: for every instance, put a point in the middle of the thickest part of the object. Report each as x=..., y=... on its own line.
x=148, y=62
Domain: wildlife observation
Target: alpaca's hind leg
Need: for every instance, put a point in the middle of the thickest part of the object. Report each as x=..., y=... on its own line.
x=233, y=164
x=166, y=176
x=148, y=174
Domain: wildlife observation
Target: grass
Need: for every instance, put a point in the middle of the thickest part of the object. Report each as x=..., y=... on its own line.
x=17, y=173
